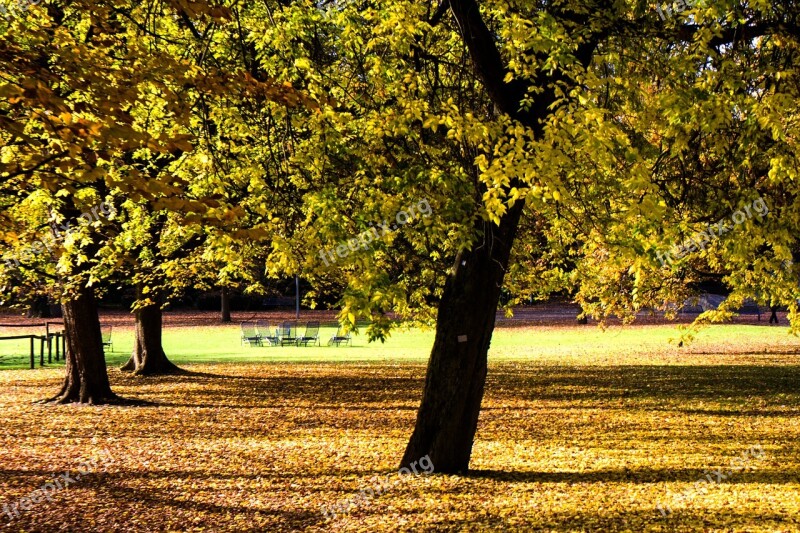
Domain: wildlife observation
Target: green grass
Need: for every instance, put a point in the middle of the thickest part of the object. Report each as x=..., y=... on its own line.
x=548, y=344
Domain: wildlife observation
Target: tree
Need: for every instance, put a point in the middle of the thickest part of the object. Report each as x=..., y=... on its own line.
x=225, y=305
x=497, y=114
x=55, y=150
x=94, y=115
x=535, y=98
x=401, y=125
x=86, y=378
x=148, y=275
x=413, y=121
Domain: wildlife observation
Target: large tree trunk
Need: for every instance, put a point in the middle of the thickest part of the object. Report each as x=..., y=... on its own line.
x=86, y=373
x=148, y=357
x=448, y=416
x=225, y=305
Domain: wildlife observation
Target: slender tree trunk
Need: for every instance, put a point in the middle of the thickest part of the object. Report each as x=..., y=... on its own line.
x=39, y=308
x=773, y=317
x=448, y=416
x=86, y=378
x=148, y=357
x=225, y=304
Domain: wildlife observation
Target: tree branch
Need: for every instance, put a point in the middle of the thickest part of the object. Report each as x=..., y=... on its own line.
x=489, y=63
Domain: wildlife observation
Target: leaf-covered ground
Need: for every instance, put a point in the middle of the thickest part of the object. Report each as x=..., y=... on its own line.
x=569, y=440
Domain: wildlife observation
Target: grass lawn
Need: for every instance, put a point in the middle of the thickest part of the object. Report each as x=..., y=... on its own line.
x=581, y=430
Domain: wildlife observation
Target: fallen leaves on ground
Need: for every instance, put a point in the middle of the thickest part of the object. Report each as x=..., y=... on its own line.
x=594, y=446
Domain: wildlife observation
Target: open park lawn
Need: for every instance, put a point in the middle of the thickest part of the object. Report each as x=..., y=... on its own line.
x=581, y=430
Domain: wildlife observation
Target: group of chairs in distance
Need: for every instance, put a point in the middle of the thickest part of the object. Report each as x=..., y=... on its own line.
x=257, y=333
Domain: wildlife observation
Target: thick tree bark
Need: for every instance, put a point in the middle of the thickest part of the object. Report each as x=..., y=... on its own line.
x=448, y=416
x=148, y=357
x=225, y=305
x=86, y=378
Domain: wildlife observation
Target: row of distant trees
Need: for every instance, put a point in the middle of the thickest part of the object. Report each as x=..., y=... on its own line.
x=282, y=296
x=559, y=145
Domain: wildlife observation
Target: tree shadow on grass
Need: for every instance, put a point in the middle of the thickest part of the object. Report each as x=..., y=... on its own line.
x=641, y=475
x=651, y=384
x=136, y=500
x=683, y=520
x=177, y=376
x=647, y=381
